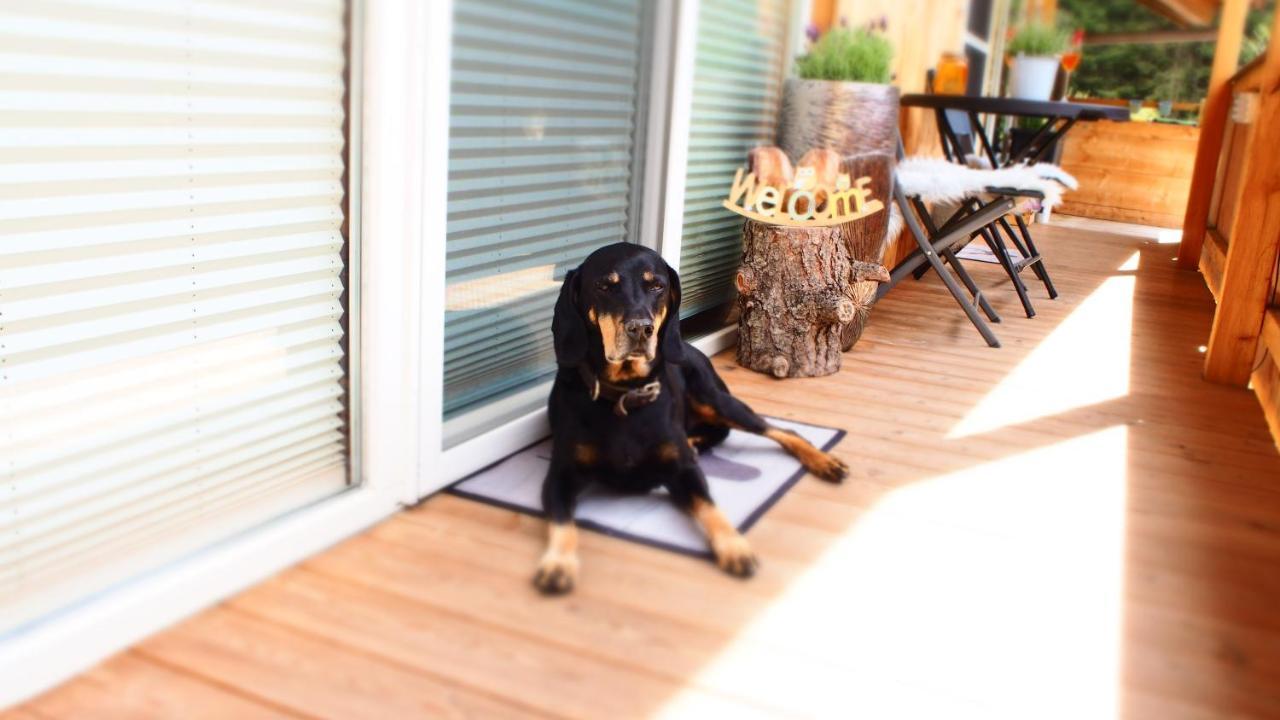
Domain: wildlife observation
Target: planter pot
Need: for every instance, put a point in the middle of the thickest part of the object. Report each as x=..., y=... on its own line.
x=860, y=122
x=1033, y=77
x=848, y=117
x=1165, y=108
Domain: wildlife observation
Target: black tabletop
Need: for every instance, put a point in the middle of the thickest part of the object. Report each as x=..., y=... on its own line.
x=1018, y=107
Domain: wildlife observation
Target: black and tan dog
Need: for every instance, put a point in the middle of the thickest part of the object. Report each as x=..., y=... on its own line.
x=632, y=402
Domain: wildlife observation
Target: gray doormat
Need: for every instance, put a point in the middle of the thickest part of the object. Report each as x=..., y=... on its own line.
x=747, y=474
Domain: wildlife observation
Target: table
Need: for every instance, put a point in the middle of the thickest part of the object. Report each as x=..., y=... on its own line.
x=1061, y=116
x=959, y=124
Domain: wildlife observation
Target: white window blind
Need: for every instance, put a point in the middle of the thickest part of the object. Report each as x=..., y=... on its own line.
x=737, y=88
x=543, y=169
x=171, y=282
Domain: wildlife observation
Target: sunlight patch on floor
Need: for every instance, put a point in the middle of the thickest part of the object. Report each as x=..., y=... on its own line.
x=991, y=592
x=1084, y=361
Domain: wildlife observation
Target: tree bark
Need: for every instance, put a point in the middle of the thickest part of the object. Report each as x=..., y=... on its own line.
x=866, y=240
x=794, y=299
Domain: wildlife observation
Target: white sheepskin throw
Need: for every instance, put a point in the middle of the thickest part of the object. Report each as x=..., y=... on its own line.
x=937, y=180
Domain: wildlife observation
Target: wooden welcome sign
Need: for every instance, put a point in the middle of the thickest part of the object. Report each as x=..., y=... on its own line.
x=814, y=195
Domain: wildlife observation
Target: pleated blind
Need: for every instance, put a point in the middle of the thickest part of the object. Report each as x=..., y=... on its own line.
x=171, y=250
x=542, y=163
x=737, y=88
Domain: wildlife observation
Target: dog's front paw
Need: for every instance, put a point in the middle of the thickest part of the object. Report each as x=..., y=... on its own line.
x=828, y=467
x=733, y=555
x=556, y=574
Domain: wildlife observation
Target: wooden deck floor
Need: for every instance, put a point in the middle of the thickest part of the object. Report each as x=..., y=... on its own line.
x=1072, y=526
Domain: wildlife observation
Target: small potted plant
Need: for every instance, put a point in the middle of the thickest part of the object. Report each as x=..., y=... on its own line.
x=1036, y=51
x=841, y=98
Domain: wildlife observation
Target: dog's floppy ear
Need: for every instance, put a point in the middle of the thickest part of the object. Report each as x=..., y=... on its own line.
x=670, y=343
x=568, y=329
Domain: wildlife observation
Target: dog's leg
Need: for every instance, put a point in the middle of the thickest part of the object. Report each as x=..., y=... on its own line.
x=558, y=568
x=732, y=551
x=721, y=408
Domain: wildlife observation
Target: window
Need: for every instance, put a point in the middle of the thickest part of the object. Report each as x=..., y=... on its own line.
x=737, y=89
x=544, y=167
x=172, y=283
x=982, y=43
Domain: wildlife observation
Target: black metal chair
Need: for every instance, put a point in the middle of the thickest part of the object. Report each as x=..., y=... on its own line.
x=958, y=135
x=936, y=248
x=958, y=131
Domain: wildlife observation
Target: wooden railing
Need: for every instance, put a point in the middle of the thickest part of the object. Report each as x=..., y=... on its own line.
x=1232, y=229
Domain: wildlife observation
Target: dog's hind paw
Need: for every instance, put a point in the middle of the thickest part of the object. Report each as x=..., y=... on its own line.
x=734, y=556
x=556, y=575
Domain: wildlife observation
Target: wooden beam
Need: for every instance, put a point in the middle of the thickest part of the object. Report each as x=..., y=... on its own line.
x=1213, y=121
x=1252, y=242
x=1154, y=37
x=1186, y=13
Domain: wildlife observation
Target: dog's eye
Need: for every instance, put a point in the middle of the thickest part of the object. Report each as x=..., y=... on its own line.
x=604, y=286
x=657, y=288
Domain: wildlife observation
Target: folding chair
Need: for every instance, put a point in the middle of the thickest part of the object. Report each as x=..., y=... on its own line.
x=936, y=246
x=958, y=131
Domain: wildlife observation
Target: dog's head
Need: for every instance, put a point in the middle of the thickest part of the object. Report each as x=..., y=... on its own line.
x=620, y=307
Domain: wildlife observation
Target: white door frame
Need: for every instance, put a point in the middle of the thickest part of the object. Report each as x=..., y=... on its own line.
x=439, y=466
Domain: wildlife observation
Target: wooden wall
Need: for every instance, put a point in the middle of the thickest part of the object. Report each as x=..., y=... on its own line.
x=1131, y=172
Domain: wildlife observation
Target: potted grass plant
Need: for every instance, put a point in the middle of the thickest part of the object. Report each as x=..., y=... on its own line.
x=841, y=98
x=1036, y=50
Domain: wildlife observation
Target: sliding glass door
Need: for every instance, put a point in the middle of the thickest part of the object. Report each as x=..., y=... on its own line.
x=174, y=281
x=546, y=116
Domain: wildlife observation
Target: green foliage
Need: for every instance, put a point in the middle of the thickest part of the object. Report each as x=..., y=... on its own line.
x=1039, y=40
x=850, y=55
x=1174, y=71
x=1255, y=43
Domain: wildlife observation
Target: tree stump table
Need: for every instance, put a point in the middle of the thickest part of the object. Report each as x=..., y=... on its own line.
x=793, y=294
x=805, y=293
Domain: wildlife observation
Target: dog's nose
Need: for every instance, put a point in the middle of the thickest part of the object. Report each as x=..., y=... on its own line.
x=639, y=329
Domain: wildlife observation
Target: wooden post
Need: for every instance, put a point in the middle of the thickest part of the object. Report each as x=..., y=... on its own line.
x=1213, y=121
x=1253, y=240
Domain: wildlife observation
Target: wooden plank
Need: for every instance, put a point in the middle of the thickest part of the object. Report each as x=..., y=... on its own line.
x=1239, y=145
x=1266, y=384
x=549, y=678
x=1136, y=147
x=1213, y=120
x=1213, y=260
x=311, y=676
x=1186, y=13
x=1271, y=332
x=1149, y=37
x=1125, y=215
x=1131, y=172
x=130, y=686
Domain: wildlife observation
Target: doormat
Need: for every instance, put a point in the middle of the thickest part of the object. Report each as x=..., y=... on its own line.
x=746, y=473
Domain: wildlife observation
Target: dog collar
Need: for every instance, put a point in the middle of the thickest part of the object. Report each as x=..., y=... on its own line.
x=624, y=398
